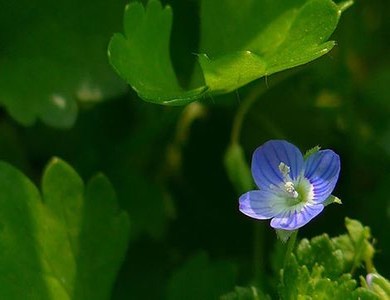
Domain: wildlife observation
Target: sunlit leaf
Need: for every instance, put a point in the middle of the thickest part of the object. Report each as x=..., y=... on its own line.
x=240, y=41
x=141, y=55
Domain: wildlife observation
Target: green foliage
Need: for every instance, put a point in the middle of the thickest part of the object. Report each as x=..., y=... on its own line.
x=199, y=278
x=67, y=243
x=356, y=246
x=301, y=282
x=168, y=175
x=235, y=49
x=53, y=55
x=322, y=268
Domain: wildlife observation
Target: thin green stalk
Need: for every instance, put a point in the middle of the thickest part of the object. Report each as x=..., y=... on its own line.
x=250, y=100
x=290, y=247
x=242, y=111
x=258, y=253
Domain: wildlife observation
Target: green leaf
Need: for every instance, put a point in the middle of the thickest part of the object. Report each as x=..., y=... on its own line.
x=311, y=151
x=238, y=169
x=301, y=282
x=321, y=250
x=247, y=293
x=240, y=41
x=199, y=278
x=332, y=199
x=250, y=39
x=54, y=55
x=141, y=55
x=356, y=246
x=231, y=71
x=66, y=244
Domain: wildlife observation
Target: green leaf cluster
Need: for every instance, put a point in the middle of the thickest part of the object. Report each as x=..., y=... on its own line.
x=265, y=37
x=323, y=267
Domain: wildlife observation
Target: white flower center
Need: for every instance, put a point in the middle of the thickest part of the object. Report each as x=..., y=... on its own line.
x=297, y=191
x=290, y=189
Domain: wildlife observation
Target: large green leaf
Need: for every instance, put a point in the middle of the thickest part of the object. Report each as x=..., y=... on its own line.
x=53, y=55
x=67, y=243
x=240, y=41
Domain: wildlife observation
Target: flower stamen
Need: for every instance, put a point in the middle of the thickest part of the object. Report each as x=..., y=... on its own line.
x=285, y=170
x=288, y=184
x=290, y=189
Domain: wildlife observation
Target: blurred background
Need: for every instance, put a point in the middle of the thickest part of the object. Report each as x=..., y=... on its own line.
x=166, y=163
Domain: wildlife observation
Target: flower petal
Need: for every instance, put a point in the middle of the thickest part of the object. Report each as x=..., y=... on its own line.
x=261, y=204
x=322, y=169
x=291, y=220
x=267, y=158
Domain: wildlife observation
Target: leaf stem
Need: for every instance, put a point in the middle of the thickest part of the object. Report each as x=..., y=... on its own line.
x=258, y=253
x=290, y=247
x=250, y=100
x=242, y=111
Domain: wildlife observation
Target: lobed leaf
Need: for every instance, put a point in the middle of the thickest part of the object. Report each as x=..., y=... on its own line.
x=67, y=243
x=141, y=55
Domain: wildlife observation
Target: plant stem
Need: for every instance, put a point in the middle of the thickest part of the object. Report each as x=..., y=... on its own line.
x=250, y=100
x=290, y=247
x=242, y=111
x=258, y=253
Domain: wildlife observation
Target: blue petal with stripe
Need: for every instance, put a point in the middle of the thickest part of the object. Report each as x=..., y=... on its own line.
x=291, y=220
x=267, y=158
x=262, y=204
x=322, y=169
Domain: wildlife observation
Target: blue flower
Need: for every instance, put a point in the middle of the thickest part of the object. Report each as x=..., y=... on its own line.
x=293, y=190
